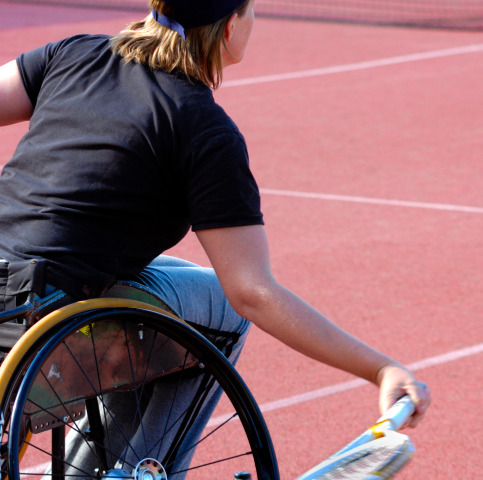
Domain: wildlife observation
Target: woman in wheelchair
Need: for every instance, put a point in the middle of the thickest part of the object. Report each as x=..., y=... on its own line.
x=126, y=151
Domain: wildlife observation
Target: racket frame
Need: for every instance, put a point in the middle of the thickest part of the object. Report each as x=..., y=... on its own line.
x=384, y=429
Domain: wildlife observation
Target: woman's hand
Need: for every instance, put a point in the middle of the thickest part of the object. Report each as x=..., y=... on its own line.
x=396, y=381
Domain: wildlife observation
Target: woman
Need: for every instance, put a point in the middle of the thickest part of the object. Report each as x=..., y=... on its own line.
x=126, y=151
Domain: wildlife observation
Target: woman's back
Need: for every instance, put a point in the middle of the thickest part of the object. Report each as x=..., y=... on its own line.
x=117, y=164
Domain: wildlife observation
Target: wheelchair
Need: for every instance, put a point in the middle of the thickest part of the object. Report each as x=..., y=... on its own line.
x=71, y=370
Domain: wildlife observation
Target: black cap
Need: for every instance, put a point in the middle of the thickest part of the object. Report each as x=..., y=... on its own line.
x=196, y=13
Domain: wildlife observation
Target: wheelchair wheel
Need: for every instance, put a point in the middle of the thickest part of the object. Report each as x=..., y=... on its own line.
x=117, y=391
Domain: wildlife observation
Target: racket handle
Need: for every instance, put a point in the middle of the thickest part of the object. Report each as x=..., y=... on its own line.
x=400, y=411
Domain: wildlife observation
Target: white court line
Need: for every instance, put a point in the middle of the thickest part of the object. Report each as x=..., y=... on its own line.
x=330, y=390
x=351, y=67
x=377, y=201
x=37, y=469
x=350, y=385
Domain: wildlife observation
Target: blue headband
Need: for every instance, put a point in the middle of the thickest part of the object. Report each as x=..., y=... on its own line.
x=169, y=23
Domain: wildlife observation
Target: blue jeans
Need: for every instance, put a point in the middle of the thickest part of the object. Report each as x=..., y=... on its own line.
x=195, y=294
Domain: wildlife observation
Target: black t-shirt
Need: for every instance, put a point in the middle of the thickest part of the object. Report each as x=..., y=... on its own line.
x=118, y=163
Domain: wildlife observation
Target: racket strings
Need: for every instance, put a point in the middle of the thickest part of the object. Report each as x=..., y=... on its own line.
x=378, y=459
x=397, y=462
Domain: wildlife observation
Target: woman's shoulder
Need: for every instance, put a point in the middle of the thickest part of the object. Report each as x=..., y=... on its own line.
x=195, y=104
x=81, y=41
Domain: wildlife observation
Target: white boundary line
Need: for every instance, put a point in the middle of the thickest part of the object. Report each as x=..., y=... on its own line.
x=376, y=201
x=350, y=385
x=37, y=469
x=351, y=67
x=332, y=389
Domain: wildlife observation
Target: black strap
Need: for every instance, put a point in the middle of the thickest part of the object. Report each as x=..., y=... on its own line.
x=20, y=277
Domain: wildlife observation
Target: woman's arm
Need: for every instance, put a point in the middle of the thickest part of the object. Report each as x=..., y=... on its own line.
x=240, y=258
x=15, y=105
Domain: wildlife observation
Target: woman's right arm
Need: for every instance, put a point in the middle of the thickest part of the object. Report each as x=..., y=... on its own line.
x=15, y=105
x=240, y=258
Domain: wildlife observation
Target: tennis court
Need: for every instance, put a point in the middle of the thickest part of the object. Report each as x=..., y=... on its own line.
x=367, y=144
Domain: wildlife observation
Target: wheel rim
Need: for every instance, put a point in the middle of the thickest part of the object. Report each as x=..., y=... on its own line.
x=215, y=366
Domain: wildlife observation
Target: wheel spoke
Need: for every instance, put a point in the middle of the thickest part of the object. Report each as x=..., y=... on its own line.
x=150, y=401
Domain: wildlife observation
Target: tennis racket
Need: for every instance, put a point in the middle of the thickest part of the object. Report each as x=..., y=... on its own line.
x=375, y=455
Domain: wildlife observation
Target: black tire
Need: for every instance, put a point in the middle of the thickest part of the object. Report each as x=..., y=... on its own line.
x=62, y=384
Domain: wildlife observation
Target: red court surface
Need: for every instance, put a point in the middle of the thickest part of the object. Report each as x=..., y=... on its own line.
x=367, y=144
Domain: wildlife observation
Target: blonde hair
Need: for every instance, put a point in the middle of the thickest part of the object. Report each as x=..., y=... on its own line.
x=158, y=47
